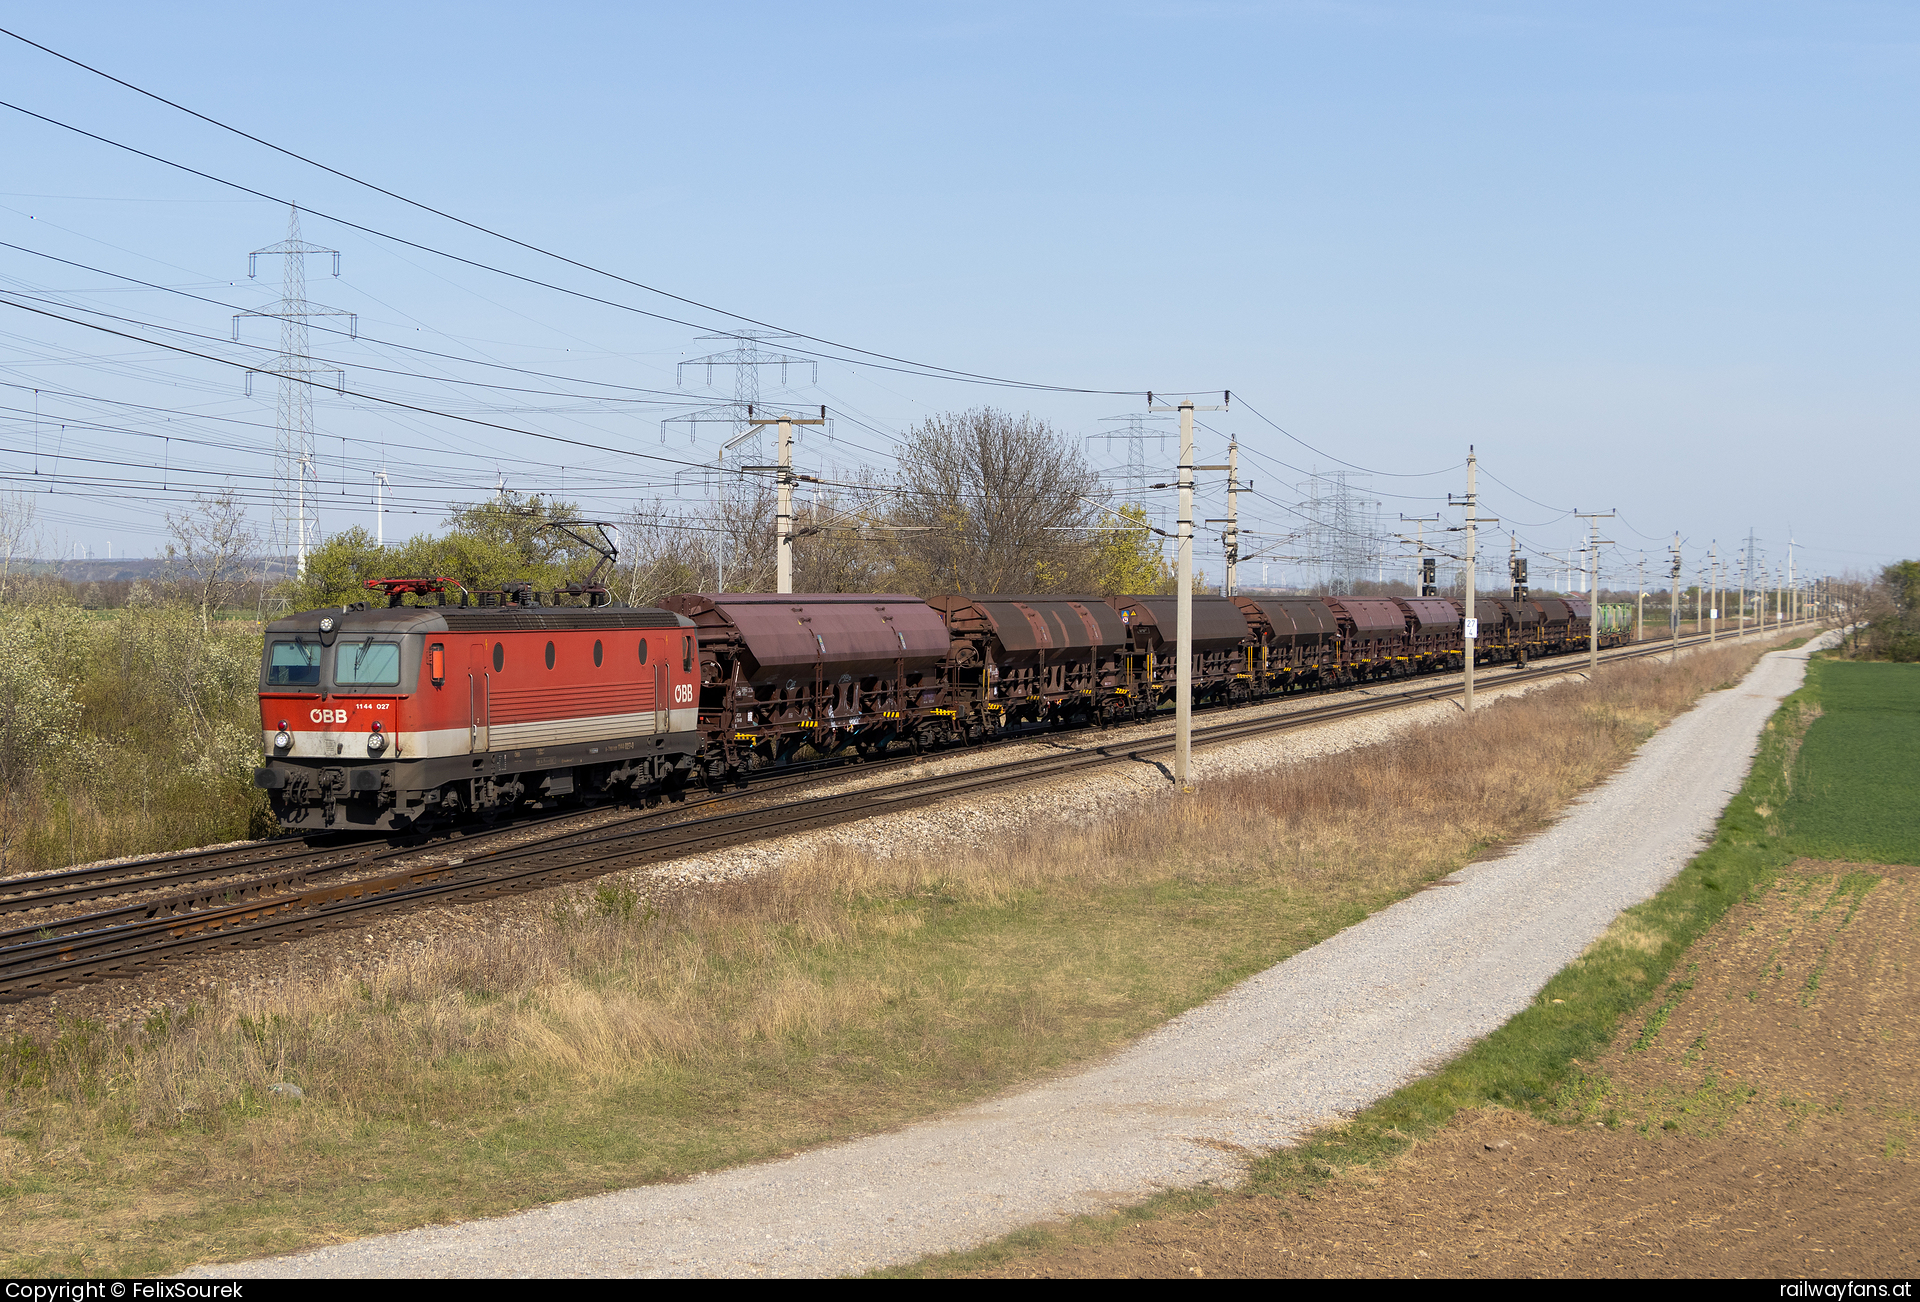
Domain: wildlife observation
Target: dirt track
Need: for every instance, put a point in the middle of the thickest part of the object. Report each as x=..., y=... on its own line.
x=1769, y=1127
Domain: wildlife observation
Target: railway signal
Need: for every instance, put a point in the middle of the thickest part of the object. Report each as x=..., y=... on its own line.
x=1231, y=538
x=1673, y=599
x=1429, y=566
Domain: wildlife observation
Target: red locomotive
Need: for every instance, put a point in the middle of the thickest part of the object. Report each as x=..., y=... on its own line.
x=380, y=718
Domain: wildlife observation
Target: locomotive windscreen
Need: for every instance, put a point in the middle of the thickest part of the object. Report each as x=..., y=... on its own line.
x=366, y=664
x=293, y=664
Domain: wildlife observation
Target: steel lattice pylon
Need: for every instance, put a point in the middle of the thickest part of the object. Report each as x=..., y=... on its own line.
x=1344, y=531
x=746, y=359
x=296, y=504
x=1139, y=429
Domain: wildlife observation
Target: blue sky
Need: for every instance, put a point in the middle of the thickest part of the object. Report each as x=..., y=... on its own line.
x=1647, y=257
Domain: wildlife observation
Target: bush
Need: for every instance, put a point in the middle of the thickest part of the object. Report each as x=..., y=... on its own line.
x=136, y=732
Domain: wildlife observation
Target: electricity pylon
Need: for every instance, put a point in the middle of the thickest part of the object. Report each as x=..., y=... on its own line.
x=296, y=504
x=746, y=359
x=1136, y=434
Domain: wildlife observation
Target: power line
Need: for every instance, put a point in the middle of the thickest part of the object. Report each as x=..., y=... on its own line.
x=369, y=397
x=383, y=370
x=927, y=369
x=1424, y=474
x=1536, y=501
x=666, y=396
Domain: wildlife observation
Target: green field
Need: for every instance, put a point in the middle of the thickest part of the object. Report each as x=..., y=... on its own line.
x=1856, y=781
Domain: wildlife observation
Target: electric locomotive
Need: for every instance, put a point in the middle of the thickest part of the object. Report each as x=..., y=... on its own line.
x=381, y=718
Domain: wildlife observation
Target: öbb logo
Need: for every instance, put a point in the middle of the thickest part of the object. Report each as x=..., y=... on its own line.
x=327, y=716
x=683, y=693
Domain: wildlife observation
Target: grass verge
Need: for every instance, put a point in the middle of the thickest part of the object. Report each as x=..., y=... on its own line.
x=617, y=1041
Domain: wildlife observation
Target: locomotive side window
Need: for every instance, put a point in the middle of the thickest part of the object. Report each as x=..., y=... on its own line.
x=437, y=663
x=293, y=664
x=549, y=655
x=686, y=655
x=643, y=650
x=366, y=664
x=499, y=656
x=596, y=653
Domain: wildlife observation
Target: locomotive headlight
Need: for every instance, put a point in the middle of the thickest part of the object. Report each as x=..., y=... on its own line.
x=326, y=625
x=282, y=739
x=376, y=741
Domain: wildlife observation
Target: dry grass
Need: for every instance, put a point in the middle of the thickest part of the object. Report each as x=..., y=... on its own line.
x=622, y=1041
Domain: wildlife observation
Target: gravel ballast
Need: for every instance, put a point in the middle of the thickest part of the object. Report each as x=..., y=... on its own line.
x=1323, y=1033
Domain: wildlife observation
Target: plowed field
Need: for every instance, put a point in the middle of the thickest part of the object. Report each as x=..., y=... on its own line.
x=1760, y=1120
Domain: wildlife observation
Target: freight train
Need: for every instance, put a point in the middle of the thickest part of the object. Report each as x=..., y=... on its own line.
x=425, y=709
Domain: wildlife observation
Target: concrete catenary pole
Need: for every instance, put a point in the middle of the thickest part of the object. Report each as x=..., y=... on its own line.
x=1741, y=631
x=1467, y=605
x=1593, y=589
x=1232, y=585
x=784, y=480
x=1788, y=578
x=1640, y=602
x=1183, y=600
x=783, y=512
x=1713, y=605
x=1183, y=643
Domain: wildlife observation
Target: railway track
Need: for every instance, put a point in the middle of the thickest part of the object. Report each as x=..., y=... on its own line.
x=296, y=860
x=312, y=888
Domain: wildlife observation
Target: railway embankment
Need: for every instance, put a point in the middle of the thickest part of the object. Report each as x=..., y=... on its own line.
x=474, y=1061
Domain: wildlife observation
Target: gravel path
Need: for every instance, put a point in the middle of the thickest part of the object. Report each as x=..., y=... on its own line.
x=1323, y=1033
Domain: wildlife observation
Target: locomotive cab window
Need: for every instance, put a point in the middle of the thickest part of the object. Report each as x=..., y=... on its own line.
x=366, y=664
x=293, y=664
x=686, y=655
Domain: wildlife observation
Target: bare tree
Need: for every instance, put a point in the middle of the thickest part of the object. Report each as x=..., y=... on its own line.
x=1005, y=502
x=663, y=551
x=17, y=513
x=207, y=559
x=845, y=539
